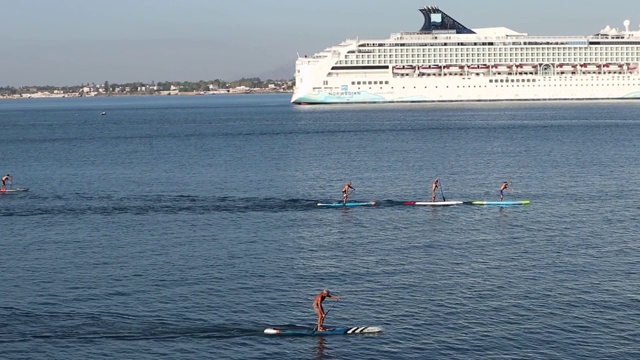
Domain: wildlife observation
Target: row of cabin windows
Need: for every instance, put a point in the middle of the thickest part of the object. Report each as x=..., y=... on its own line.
x=494, y=57
x=374, y=82
x=481, y=60
x=512, y=86
x=580, y=54
x=512, y=80
x=498, y=49
x=490, y=81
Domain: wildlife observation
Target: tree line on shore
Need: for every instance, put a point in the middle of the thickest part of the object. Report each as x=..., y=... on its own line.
x=152, y=87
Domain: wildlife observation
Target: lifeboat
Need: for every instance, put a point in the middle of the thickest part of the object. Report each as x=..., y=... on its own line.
x=501, y=69
x=613, y=67
x=586, y=68
x=566, y=68
x=404, y=69
x=453, y=69
x=430, y=69
x=478, y=69
x=632, y=67
x=526, y=68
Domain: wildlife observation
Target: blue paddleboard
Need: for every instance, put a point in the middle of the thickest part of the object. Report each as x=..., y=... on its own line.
x=350, y=203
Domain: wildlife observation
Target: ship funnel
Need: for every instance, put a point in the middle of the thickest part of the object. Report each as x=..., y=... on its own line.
x=437, y=21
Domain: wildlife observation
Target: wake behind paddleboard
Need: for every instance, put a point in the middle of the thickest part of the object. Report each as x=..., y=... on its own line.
x=8, y=191
x=433, y=203
x=334, y=331
x=341, y=204
x=501, y=203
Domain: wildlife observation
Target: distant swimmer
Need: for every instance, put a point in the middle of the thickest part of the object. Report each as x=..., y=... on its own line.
x=5, y=179
x=345, y=192
x=434, y=187
x=503, y=187
x=317, y=306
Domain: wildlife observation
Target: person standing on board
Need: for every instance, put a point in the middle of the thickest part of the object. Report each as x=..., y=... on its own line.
x=503, y=187
x=434, y=187
x=4, y=181
x=345, y=192
x=317, y=306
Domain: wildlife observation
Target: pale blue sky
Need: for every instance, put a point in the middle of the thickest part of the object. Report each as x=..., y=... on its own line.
x=68, y=42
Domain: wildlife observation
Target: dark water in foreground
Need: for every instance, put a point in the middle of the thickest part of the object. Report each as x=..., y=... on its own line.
x=181, y=227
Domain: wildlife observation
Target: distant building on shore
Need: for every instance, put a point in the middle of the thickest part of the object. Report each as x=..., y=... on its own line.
x=216, y=87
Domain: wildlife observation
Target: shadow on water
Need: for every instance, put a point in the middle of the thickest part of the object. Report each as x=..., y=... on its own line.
x=80, y=204
x=20, y=326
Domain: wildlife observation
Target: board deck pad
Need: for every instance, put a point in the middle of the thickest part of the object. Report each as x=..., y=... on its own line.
x=332, y=331
x=433, y=203
x=501, y=203
x=14, y=190
x=341, y=204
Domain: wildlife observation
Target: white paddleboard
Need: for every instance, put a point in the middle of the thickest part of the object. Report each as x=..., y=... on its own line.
x=334, y=331
x=433, y=203
x=9, y=191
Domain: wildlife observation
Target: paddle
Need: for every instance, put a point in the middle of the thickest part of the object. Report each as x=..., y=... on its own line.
x=349, y=193
x=334, y=304
x=325, y=314
x=510, y=184
x=442, y=192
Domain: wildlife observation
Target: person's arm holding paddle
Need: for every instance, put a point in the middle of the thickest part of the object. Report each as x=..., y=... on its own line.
x=317, y=306
x=434, y=187
x=345, y=192
x=503, y=187
x=5, y=179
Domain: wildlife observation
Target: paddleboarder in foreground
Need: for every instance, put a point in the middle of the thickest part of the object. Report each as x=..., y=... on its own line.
x=503, y=187
x=434, y=187
x=317, y=306
x=345, y=192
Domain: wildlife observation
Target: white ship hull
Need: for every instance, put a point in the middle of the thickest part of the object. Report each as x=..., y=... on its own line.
x=478, y=88
x=344, y=73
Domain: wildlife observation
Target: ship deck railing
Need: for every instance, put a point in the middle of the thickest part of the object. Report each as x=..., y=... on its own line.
x=423, y=36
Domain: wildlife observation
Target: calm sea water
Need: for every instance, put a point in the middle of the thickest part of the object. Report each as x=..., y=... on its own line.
x=181, y=227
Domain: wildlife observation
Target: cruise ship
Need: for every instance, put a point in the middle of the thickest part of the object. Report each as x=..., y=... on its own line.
x=447, y=61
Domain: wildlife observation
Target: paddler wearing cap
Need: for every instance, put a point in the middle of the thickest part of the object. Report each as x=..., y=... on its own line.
x=317, y=306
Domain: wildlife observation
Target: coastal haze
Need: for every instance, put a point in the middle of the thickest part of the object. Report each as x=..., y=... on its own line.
x=76, y=42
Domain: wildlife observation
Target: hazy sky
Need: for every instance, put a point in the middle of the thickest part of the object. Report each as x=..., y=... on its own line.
x=69, y=42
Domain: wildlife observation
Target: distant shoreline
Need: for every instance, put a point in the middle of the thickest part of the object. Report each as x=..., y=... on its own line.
x=167, y=93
